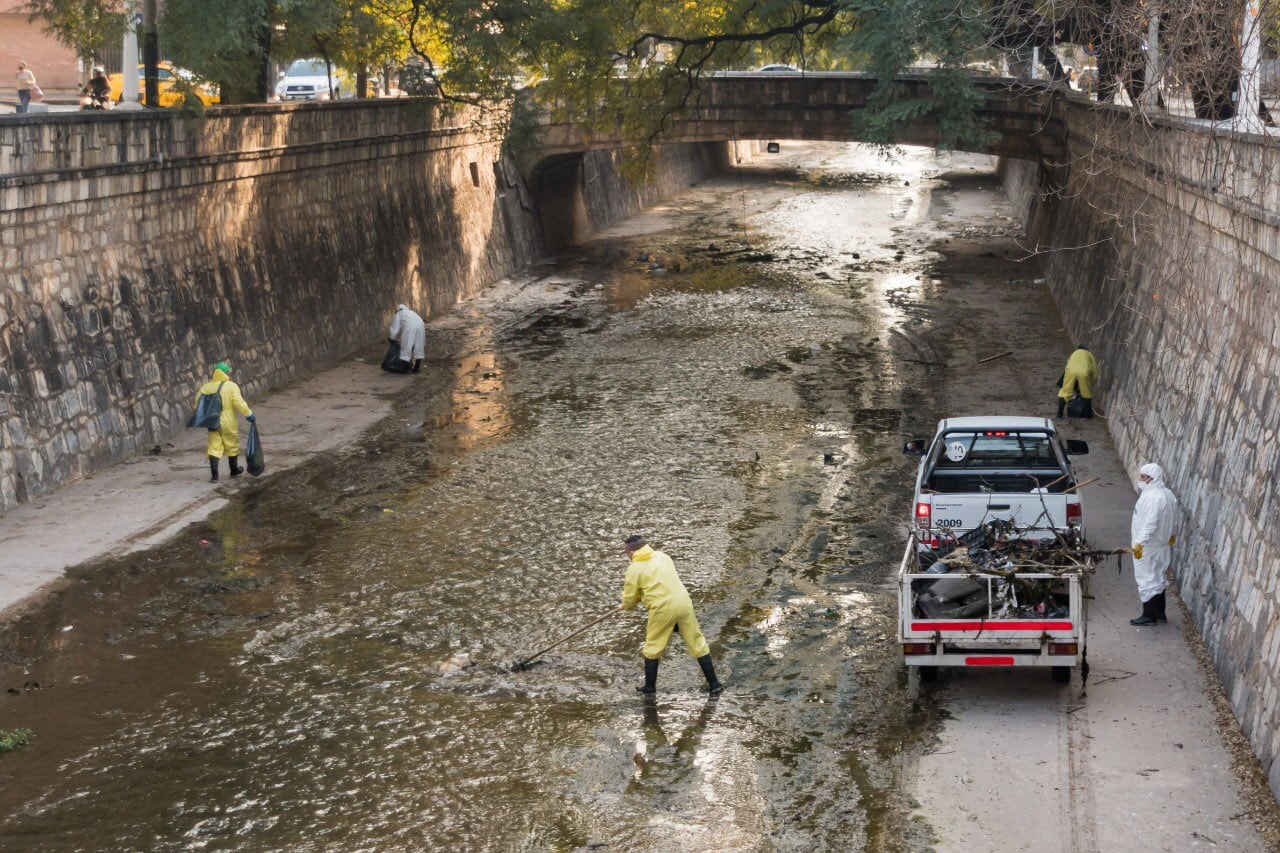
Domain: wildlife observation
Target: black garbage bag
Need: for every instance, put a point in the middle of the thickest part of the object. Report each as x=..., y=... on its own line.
x=1080, y=407
x=391, y=361
x=253, y=452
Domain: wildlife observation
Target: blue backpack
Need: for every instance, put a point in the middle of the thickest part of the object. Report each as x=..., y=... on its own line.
x=208, y=411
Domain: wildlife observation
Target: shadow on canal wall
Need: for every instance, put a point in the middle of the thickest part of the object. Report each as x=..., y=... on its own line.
x=1162, y=249
x=138, y=249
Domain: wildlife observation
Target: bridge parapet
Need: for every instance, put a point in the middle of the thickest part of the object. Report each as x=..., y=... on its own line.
x=1024, y=116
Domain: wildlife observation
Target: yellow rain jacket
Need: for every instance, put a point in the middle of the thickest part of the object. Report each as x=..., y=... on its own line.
x=1080, y=375
x=652, y=581
x=225, y=440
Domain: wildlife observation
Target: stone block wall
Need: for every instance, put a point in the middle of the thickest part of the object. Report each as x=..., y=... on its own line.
x=137, y=249
x=1162, y=248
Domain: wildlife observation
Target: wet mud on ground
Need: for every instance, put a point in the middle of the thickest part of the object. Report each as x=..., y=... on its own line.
x=324, y=664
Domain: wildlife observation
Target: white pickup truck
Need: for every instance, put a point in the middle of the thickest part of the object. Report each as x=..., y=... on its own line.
x=994, y=497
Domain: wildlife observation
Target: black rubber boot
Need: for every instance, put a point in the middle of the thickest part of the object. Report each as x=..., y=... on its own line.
x=1149, y=611
x=417, y=365
x=213, y=469
x=650, y=677
x=234, y=462
x=709, y=671
x=1158, y=608
x=1062, y=407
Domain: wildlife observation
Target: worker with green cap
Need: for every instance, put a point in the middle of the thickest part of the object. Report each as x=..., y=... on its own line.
x=225, y=440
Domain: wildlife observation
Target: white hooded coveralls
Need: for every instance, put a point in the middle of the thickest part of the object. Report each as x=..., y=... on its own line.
x=411, y=332
x=1155, y=520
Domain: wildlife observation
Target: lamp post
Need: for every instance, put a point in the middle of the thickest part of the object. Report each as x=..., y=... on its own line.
x=150, y=52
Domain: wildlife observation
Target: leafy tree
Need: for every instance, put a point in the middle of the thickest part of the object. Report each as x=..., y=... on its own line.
x=86, y=26
x=225, y=41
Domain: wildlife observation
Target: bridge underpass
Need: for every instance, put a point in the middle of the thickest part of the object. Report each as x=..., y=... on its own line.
x=1024, y=119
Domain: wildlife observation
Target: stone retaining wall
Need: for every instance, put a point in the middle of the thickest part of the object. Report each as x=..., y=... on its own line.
x=1162, y=249
x=138, y=249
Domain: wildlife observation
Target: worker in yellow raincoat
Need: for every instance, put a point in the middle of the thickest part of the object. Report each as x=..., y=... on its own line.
x=225, y=440
x=1078, y=378
x=652, y=581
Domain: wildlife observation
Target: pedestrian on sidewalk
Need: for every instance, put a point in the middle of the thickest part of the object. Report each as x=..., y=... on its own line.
x=1154, y=525
x=26, y=85
x=409, y=333
x=225, y=440
x=651, y=580
x=1078, y=379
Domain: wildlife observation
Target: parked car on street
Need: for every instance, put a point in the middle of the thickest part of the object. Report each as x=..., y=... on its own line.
x=779, y=68
x=171, y=78
x=313, y=80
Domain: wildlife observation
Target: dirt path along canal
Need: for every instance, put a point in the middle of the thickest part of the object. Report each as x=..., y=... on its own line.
x=321, y=665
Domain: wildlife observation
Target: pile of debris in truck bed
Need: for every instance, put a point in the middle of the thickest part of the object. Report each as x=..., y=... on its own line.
x=1000, y=548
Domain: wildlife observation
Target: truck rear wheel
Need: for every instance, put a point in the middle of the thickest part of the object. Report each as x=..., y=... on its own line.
x=928, y=674
x=1062, y=674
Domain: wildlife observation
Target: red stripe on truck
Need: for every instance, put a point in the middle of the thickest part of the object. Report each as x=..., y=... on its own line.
x=991, y=625
x=988, y=661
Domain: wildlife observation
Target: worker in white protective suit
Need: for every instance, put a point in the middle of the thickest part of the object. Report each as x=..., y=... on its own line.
x=409, y=332
x=1154, y=528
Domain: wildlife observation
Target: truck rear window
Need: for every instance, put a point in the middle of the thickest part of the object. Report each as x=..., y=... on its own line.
x=995, y=462
x=996, y=449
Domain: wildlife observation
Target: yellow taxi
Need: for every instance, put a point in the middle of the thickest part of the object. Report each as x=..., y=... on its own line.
x=170, y=94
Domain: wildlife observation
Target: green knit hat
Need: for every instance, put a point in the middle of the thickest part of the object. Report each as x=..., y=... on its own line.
x=224, y=367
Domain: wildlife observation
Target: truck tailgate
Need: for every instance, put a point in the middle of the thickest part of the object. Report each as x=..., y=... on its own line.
x=959, y=513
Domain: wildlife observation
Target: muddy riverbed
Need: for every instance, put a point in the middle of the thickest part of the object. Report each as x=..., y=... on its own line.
x=323, y=665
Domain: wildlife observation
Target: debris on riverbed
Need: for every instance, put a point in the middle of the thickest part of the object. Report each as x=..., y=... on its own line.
x=456, y=665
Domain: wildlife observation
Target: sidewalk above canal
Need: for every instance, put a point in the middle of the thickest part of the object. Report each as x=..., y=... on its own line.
x=144, y=500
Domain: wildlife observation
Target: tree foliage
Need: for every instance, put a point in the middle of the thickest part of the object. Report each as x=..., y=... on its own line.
x=87, y=26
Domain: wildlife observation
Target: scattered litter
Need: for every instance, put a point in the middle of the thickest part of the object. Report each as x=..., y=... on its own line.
x=66, y=628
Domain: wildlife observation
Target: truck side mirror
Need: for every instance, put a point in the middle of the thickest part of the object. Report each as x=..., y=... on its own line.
x=915, y=447
x=1075, y=447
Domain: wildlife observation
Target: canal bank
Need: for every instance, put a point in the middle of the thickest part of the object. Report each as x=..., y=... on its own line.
x=1142, y=750
x=732, y=373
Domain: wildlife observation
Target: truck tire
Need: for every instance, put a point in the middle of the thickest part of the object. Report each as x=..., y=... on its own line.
x=928, y=674
x=1062, y=674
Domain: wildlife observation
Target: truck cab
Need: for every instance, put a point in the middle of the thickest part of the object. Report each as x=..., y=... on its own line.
x=979, y=469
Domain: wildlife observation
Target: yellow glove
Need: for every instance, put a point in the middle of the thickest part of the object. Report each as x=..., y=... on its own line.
x=1172, y=539
x=1137, y=552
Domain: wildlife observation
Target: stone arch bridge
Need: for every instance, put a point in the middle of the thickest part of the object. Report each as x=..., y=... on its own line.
x=734, y=107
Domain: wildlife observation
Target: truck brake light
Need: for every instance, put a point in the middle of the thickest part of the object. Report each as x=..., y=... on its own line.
x=1064, y=648
x=917, y=648
x=923, y=513
x=1074, y=515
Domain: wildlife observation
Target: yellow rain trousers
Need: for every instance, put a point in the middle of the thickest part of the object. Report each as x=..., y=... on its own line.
x=1080, y=375
x=652, y=581
x=225, y=440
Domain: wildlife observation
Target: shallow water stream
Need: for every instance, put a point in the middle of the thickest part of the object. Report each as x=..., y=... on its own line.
x=324, y=665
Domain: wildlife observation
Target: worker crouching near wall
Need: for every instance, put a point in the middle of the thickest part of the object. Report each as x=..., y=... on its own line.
x=652, y=581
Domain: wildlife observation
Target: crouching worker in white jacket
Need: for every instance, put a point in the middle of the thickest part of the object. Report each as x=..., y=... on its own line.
x=409, y=333
x=1154, y=525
